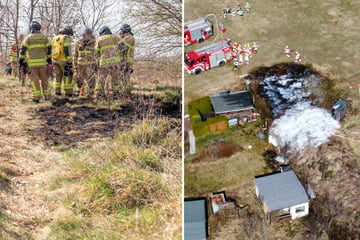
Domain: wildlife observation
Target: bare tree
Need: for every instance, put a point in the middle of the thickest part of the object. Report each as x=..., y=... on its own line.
x=94, y=13
x=160, y=25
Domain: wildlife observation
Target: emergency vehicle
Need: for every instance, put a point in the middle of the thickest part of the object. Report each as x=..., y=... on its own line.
x=197, y=31
x=211, y=56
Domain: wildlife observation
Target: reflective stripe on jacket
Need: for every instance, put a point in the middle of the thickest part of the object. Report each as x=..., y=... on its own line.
x=37, y=45
x=107, y=46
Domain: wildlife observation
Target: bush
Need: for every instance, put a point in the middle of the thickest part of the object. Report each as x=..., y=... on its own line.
x=215, y=124
x=202, y=105
x=200, y=128
x=195, y=116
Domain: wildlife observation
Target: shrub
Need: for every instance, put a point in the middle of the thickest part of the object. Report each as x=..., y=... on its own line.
x=195, y=116
x=202, y=105
x=200, y=128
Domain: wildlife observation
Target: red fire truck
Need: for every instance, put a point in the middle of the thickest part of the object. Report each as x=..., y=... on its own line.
x=211, y=56
x=197, y=31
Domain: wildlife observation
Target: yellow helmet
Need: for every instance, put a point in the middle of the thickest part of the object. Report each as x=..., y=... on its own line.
x=287, y=47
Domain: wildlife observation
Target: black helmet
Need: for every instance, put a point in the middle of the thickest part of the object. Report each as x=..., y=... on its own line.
x=87, y=30
x=125, y=28
x=67, y=31
x=105, y=30
x=35, y=26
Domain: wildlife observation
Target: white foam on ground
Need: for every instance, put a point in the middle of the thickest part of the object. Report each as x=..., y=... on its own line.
x=302, y=126
x=297, y=123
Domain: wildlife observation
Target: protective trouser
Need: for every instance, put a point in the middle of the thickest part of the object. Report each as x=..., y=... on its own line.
x=60, y=78
x=39, y=82
x=86, y=76
x=108, y=78
x=126, y=71
x=14, y=66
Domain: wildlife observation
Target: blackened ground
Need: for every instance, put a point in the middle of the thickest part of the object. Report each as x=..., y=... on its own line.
x=68, y=122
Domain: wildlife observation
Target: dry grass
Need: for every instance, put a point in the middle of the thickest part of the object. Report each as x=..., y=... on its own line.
x=124, y=187
x=130, y=186
x=324, y=32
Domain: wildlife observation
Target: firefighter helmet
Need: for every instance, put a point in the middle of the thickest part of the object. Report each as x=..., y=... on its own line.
x=125, y=28
x=35, y=26
x=67, y=31
x=105, y=30
x=86, y=30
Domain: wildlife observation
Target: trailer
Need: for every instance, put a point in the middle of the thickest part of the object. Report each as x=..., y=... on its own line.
x=197, y=31
x=212, y=56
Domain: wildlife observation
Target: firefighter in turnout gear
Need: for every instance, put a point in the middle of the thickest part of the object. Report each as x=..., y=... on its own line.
x=36, y=50
x=84, y=61
x=13, y=59
x=62, y=61
x=108, y=53
x=127, y=48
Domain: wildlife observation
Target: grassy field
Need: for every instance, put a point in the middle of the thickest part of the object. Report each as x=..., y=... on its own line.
x=325, y=34
x=75, y=170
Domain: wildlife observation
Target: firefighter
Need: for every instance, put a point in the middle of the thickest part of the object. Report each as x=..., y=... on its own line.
x=239, y=11
x=36, y=49
x=62, y=61
x=84, y=61
x=247, y=58
x=127, y=49
x=287, y=51
x=297, y=57
x=108, y=53
x=226, y=11
x=247, y=7
x=13, y=59
x=255, y=48
x=241, y=59
x=236, y=64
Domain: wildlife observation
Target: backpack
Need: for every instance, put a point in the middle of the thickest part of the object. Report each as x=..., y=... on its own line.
x=57, y=47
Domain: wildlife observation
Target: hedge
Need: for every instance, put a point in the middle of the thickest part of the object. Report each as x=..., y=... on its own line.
x=215, y=124
x=200, y=128
x=195, y=116
x=202, y=105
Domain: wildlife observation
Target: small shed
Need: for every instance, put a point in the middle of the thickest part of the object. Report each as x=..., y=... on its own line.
x=338, y=109
x=282, y=196
x=236, y=105
x=195, y=219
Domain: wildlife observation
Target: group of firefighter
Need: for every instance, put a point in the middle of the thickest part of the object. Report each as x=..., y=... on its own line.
x=103, y=65
x=238, y=11
x=287, y=52
x=242, y=53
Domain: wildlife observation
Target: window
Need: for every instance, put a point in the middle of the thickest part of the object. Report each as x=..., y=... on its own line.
x=300, y=209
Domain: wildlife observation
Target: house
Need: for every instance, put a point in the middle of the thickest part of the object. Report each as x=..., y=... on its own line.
x=236, y=106
x=338, y=110
x=195, y=219
x=282, y=196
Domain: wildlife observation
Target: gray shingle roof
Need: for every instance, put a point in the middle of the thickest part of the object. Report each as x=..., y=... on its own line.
x=231, y=102
x=195, y=222
x=281, y=190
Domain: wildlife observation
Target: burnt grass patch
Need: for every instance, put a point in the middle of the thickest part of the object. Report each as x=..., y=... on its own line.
x=323, y=96
x=69, y=122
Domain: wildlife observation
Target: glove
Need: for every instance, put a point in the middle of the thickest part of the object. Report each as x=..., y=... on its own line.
x=49, y=61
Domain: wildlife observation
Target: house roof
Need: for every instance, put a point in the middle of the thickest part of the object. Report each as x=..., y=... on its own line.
x=226, y=102
x=281, y=190
x=339, y=104
x=195, y=219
